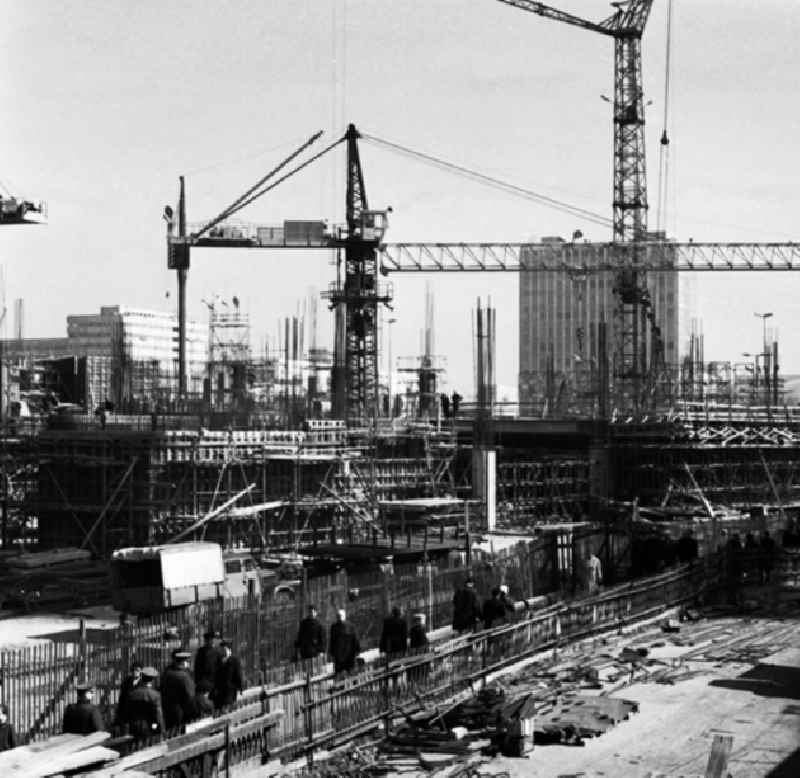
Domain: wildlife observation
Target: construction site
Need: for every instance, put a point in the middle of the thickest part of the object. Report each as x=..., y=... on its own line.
x=330, y=471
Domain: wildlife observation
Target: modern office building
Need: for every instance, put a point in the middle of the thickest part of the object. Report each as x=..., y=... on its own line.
x=558, y=317
x=131, y=354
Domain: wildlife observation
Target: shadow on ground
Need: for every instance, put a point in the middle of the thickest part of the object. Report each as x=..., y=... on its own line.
x=766, y=681
x=788, y=768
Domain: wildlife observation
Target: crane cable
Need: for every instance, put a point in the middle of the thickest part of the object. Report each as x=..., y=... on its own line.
x=559, y=205
x=237, y=205
x=663, y=153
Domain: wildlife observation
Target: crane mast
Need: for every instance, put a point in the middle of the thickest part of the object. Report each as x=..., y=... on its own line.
x=360, y=297
x=630, y=344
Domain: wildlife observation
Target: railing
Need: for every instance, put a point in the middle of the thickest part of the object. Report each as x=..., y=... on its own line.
x=37, y=683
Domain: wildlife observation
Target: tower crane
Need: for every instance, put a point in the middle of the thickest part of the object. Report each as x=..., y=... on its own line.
x=626, y=26
x=357, y=295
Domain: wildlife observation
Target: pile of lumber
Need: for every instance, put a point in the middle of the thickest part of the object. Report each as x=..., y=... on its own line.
x=58, y=755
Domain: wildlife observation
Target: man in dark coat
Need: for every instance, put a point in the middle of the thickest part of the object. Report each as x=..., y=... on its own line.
x=394, y=637
x=177, y=691
x=494, y=612
x=202, y=700
x=83, y=717
x=206, y=659
x=310, y=636
x=143, y=711
x=128, y=685
x=229, y=680
x=418, y=637
x=8, y=738
x=466, y=610
x=343, y=645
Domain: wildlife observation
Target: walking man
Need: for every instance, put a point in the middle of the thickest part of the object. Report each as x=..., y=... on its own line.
x=466, y=610
x=418, y=637
x=83, y=717
x=229, y=680
x=494, y=611
x=128, y=685
x=145, y=716
x=394, y=636
x=343, y=645
x=207, y=659
x=310, y=641
x=594, y=573
x=177, y=691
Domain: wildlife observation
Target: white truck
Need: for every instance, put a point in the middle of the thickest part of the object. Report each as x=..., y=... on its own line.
x=156, y=578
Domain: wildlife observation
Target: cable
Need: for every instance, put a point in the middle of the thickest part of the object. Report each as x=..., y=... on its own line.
x=572, y=210
x=236, y=205
x=663, y=153
x=305, y=164
x=245, y=158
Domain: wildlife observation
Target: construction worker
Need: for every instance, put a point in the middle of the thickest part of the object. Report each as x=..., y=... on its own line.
x=310, y=640
x=145, y=717
x=394, y=636
x=229, y=680
x=177, y=691
x=83, y=717
x=207, y=658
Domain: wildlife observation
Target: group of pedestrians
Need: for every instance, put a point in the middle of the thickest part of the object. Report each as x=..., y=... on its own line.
x=150, y=705
x=468, y=614
x=343, y=645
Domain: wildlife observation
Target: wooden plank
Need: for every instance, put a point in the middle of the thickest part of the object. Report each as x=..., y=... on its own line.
x=91, y=756
x=62, y=745
x=720, y=754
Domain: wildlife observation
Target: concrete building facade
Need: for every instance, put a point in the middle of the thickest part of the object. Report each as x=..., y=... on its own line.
x=558, y=318
x=131, y=353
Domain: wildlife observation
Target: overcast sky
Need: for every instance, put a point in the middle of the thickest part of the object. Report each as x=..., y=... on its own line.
x=106, y=103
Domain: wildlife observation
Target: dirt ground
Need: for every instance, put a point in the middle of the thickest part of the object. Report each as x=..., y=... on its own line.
x=671, y=735
x=18, y=631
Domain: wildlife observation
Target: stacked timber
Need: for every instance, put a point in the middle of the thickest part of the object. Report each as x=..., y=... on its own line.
x=58, y=755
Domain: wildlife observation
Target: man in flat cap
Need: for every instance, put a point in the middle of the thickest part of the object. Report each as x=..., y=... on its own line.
x=177, y=691
x=229, y=680
x=207, y=659
x=143, y=711
x=83, y=717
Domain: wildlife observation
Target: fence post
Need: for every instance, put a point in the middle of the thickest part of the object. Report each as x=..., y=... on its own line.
x=484, y=646
x=386, y=715
x=309, y=713
x=83, y=651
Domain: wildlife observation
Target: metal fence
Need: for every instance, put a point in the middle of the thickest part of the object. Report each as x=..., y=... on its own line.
x=38, y=682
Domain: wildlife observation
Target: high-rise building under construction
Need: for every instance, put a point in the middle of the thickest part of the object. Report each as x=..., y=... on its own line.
x=559, y=313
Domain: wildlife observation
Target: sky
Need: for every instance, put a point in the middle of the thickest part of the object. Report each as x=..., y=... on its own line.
x=106, y=103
